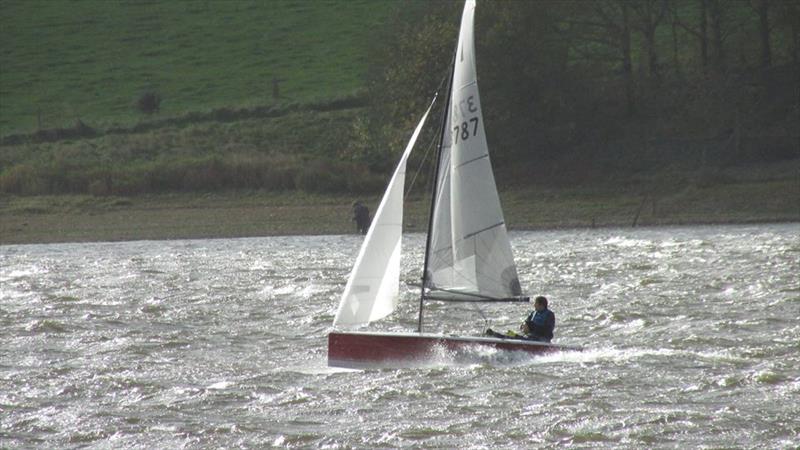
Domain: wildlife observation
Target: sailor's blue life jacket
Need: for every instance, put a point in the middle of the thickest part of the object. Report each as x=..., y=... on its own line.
x=541, y=325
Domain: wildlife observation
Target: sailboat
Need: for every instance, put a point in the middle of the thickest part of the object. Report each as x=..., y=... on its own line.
x=468, y=255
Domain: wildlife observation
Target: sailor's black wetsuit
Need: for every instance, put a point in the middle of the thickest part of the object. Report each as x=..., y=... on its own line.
x=541, y=325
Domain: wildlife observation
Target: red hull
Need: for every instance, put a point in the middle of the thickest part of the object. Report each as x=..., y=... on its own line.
x=358, y=349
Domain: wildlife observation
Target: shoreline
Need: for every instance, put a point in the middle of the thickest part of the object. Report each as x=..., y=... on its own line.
x=83, y=219
x=181, y=237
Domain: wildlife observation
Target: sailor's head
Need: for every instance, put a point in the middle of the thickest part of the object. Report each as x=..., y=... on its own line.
x=540, y=303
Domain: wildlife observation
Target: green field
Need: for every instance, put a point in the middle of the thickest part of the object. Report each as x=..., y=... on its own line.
x=64, y=60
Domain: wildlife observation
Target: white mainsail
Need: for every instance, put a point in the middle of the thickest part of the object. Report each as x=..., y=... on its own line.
x=470, y=254
x=373, y=287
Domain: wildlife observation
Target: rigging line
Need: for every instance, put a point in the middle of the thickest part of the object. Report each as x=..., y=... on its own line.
x=468, y=84
x=421, y=164
x=443, y=127
x=442, y=179
x=519, y=299
x=430, y=145
x=438, y=251
x=476, y=297
x=441, y=83
x=484, y=156
x=475, y=233
x=477, y=307
x=454, y=291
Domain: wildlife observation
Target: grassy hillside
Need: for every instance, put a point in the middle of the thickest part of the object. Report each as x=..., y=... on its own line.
x=65, y=60
x=575, y=141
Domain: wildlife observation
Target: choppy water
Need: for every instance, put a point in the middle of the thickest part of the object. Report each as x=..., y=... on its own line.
x=692, y=336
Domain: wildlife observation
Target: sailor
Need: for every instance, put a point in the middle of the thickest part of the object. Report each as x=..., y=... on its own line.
x=361, y=217
x=539, y=324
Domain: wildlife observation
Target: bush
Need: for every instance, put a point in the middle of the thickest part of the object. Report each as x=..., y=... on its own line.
x=77, y=170
x=205, y=175
x=100, y=188
x=149, y=102
x=321, y=176
x=22, y=179
x=335, y=176
x=77, y=131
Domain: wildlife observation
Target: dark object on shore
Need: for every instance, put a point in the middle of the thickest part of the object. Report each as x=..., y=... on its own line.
x=361, y=217
x=149, y=102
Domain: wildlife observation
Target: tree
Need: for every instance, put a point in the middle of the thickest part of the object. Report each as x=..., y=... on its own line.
x=702, y=21
x=649, y=14
x=788, y=13
x=409, y=65
x=601, y=35
x=522, y=65
x=761, y=8
x=715, y=17
x=674, y=24
x=699, y=31
x=627, y=65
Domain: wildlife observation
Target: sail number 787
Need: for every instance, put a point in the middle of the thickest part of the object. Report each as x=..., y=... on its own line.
x=465, y=130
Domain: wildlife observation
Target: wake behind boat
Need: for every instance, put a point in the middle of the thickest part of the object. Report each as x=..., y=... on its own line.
x=468, y=255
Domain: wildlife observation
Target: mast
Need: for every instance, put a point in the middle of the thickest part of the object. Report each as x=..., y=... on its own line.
x=434, y=190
